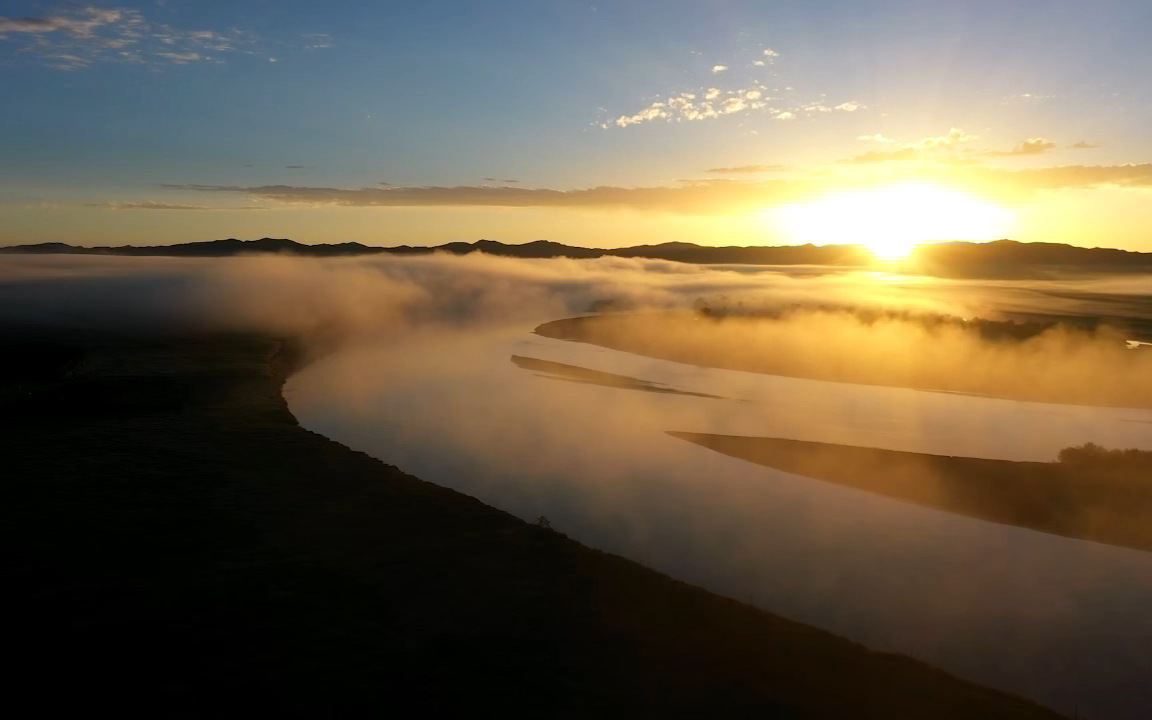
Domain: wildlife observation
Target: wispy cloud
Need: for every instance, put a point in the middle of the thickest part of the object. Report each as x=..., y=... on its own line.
x=1084, y=145
x=948, y=141
x=716, y=196
x=202, y=187
x=181, y=58
x=79, y=23
x=877, y=137
x=702, y=197
x=719, y=182
x=748, y=169
x=150, y=205
x=1028, y=98
x=77, y=38
x=498, y=180
x=1032, y=146
x=906, y=154
x=316, y=41
x=714, y=102
x=1071, y=177
x=947, y=149
x=936, y=149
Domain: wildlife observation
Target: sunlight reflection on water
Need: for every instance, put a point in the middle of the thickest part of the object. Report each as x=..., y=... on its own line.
x=1055, y=619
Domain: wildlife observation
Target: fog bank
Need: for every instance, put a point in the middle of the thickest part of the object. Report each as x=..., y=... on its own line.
x=413, y=363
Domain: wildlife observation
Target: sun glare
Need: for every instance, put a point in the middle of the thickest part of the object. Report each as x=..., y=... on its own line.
x=891, y=222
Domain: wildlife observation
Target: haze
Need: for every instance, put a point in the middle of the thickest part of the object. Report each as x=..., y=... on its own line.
x=926, y=444
x=415, y=361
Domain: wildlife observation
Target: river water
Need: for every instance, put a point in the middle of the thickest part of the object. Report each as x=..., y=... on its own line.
x=1062, y=621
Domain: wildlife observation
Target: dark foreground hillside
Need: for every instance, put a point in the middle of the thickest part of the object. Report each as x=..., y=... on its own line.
x=184, y=549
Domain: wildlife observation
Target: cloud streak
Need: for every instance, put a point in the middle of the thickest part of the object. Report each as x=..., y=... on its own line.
x=703, y=198
x=150, y=205
x=937, y=148
x=1032, y=146
x=77, y=38
x=706, y=197
x=1072, y=177
x=713, y=102
x=78, y=23
x=947, y=149
x=749, y=169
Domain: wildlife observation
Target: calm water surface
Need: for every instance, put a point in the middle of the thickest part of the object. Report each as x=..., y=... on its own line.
x=1062, y=621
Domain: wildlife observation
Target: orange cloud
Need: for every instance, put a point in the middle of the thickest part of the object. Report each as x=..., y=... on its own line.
x=150, y=205
x=939, y=148
x=708, y=197
x=1032, y=146
x=907, y=154
x=749, y=169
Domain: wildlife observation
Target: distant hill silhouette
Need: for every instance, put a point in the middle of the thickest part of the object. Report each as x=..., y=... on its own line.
x=211, y=248
x=1001, y=258
x=1007, y=258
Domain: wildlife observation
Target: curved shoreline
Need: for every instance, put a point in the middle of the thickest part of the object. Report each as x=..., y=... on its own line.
x=1054, y=498
x=647, y=338
x=193, y=548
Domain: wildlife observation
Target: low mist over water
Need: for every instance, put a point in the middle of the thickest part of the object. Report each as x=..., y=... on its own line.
x=1060, y=620
x=415, y=361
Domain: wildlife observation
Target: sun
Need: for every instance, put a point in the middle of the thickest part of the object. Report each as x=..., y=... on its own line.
x=892, y=221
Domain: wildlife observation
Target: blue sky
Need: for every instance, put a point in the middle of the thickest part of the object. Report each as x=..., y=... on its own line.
x=106, y=104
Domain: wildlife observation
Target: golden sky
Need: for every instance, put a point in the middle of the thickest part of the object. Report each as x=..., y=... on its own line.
x=872, y=121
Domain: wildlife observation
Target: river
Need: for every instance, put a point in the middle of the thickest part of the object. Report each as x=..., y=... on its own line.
x=1058, y=620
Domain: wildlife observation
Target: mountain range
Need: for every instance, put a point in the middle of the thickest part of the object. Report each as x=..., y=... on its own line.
x=999, y=258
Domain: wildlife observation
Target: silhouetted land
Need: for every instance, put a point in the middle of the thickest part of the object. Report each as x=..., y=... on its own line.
x=575, y=373
x=184, y=549
x=1090, y=493
x=1003, y=258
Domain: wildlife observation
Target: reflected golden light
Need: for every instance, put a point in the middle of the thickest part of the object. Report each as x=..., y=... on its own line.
x=892, y=221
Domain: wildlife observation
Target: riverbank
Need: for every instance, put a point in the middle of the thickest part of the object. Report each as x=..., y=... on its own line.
x=1064, y=366
x=1088, y=495
x=186, y=549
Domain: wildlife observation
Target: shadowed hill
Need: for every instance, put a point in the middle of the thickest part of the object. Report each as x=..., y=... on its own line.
x=1003, y=258
x=185, y=549
x=1010, y=259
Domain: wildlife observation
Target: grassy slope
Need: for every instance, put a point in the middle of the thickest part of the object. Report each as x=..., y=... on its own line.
x=186, y=549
